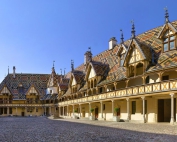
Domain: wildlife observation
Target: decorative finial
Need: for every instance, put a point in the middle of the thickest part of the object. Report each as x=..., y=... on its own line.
x=61, y=71
x=53, y=63
x=8, y=69
x=122, y=36
x=72, y=65
x=166, y=15
x=64, y=71
x=133, y=29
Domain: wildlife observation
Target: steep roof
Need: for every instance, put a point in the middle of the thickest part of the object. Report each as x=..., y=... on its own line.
x=25, y=80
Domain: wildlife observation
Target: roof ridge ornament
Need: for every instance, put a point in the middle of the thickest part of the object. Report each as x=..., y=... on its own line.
x=133, y=29
x=122, y=36
x=61, y=71
x=64, y=71
x=8, y=69
x=72, y=65
x=166, y=15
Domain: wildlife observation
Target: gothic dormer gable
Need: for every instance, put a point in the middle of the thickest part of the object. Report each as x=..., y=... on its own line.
x=5, y=90
x=90, y=72
x=53, y=80
x=32, y=90
x=168, y=36
x=134, y=53
x=121, y=54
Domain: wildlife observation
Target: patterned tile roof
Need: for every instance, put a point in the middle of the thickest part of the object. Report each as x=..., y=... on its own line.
x=25, y=80
x=151, y=47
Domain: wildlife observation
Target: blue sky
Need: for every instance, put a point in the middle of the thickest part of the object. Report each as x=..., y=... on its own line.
x=33, y=33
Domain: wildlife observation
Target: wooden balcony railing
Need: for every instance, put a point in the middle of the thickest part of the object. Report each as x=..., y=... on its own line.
x=163, y=86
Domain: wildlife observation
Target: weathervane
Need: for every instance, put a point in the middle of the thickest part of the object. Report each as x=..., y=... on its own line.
x=133, y=29
x=122, y=36
x=166, y=15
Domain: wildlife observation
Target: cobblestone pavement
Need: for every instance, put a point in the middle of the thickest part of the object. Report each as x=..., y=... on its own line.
x=41, y=129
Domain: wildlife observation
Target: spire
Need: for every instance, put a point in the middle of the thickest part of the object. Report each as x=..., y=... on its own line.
x=53, y=68
x=8, y=69
x=122, y=36
x=166, y=15
x=133, y=29
x=61, y=71
x=64, y=71
x=72, y=65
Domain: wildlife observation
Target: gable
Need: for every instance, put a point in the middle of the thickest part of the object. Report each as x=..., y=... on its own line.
x=32, y=90
x=73, y=82
x=134, y=56
x=165, y=29
x=5, y=90
x=92, y=73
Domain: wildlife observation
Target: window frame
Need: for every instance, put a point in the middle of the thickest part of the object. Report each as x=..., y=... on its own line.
x=169, y=41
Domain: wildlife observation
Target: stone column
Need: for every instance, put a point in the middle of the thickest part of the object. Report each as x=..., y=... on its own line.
x=45, y=111
x=35, y=110
x=80, y=110
x=73, y=111
x=128, y=109
x=58, y=111
x=67, y=111
x=7, y=111
x=63, y=110
x=101, y=103
x=16, y=110
x=144, y=120
x=172, y=108
x=89, y=109
x=112, y=108
x=50, y=110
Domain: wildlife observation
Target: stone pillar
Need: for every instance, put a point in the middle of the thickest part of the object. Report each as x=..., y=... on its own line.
x=128, y=109
x=144, y=120
x=45, y=111
x=67, y=111
x=101, y=103
x=172, y=108
x=73, y=111
x=49, y=110
x=58, y=111
x=35, y=110
x=89, y=109
x=63, y=110
x=80, y=110
x=16, y=110
x=7, y=110
x=112, y=107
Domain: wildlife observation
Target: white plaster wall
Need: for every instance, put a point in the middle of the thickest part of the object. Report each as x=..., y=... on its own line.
x=154, y=78
x=92, y=73
x=54, y=90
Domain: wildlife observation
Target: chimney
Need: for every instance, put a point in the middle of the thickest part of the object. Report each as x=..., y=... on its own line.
x=88, y=56
x=112, y=43
x=14, y=71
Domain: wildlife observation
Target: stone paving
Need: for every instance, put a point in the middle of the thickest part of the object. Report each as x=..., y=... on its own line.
x=42, y=129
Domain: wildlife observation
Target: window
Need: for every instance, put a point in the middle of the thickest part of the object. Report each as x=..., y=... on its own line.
x=101, y=90
x=147, y=79
x=133, y=107
x=50, y=91
x=166, y=77
x=36, y=109
x=168, y=41
x=121, y=59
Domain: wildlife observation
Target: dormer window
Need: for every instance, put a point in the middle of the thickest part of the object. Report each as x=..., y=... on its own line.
x=121, y=59
x=168, y=41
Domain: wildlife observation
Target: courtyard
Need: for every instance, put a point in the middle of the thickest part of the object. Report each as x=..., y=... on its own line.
x=42, y=129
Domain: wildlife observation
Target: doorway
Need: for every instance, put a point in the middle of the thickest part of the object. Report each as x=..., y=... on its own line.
x=23, y=114
x=96, y=113
x=164, y=110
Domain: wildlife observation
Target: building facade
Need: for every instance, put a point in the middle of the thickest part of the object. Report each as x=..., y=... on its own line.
x=134, y=81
